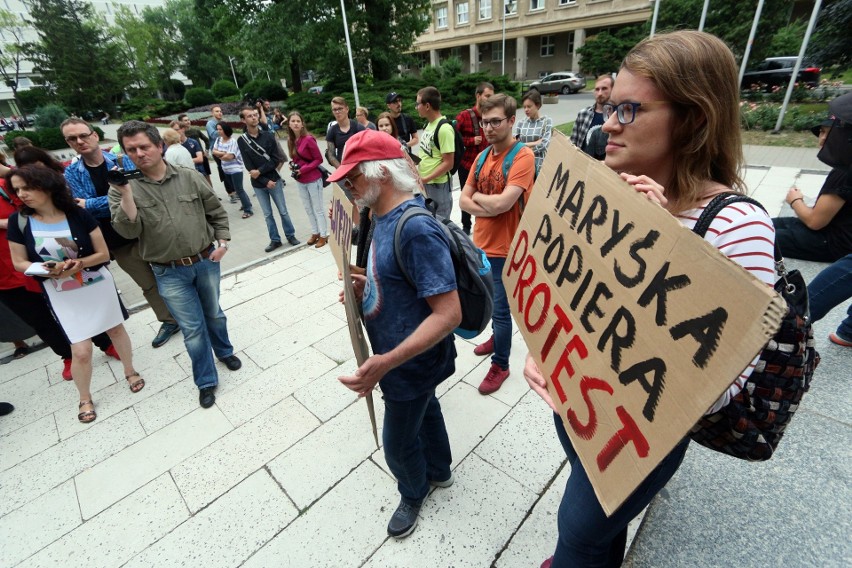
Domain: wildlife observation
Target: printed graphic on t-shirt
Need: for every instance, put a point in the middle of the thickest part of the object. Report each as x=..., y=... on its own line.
x=59, y=249
x=372, y=303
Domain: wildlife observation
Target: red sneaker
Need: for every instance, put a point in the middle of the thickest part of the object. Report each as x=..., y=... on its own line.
x=111, y=352
x=66, y=372
x=486, y=348
x=494, y=379
x=834, y=338
x=547, y=563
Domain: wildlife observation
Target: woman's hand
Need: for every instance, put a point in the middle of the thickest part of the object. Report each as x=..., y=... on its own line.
x=653, y=191
x=537, y=381
x=793, y=194
x=65, y=269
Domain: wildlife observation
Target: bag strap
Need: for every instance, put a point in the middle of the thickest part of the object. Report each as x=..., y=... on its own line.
x=257, y=149
x=397, y=234
x=715, y=207
x=480, y=161
x=507, y=165
x=474, y=121
x=437, y=139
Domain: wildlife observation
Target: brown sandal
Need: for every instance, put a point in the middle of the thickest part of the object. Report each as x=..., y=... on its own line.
x=88, y=415
x=135, y=386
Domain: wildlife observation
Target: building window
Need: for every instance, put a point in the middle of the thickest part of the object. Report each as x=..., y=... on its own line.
x=441, y=17
x=462, y=13
x=456, y=52
x=536, y=5
x=496, y=51
x=570, y=43
x=548, y=44
x=510, y=7
x=567, y=2
x=484, y=9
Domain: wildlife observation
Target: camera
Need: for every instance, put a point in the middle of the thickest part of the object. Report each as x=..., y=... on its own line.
x=121, y=176
x=295, y=170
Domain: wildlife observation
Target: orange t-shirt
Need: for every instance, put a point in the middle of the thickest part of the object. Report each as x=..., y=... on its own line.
x=495, y=234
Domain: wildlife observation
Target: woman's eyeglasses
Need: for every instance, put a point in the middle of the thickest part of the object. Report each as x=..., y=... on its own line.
x=626, y=112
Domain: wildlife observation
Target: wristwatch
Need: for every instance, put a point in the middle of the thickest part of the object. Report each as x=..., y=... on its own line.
x=224, y=244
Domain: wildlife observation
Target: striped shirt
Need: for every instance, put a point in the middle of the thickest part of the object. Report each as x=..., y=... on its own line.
x=744, y=233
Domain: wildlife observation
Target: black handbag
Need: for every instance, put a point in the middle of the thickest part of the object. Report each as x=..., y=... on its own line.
x=752, y=424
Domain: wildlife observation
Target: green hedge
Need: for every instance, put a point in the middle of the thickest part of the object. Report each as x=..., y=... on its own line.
x=224, y=89
x=199, y=96
x=269, y=90
x=47, y=138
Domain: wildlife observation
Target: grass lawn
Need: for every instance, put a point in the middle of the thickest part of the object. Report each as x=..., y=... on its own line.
x=790, y=138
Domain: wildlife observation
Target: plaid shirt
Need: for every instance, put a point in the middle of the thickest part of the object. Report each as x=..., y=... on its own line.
x=527, y=130
x=80, y=182
x=582, y=125
x=468, y=130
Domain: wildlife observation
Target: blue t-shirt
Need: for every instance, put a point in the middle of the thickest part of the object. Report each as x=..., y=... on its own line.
x=393, y=309
x=194, y=147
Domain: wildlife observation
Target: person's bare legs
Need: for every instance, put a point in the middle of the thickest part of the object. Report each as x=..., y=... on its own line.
x=122, y=344
x=81, y=370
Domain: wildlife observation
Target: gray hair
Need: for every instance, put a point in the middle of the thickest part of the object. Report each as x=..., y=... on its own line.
x=134, y=127
x=401, y=175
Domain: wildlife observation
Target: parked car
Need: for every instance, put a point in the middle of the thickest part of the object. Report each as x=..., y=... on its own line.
x=564, y=82
x=776, y=71
x=315, y=90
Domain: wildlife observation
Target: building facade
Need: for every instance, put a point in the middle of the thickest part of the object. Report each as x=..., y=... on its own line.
x=541, y=36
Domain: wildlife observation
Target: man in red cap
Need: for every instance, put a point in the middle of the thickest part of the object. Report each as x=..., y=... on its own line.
x=410, y=325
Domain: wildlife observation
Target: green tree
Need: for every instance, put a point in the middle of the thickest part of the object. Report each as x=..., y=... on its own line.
x=204, y=57
x=831, y=43
x=10, y=58
x=603, y=52
x=73, y=55
x=149, y=43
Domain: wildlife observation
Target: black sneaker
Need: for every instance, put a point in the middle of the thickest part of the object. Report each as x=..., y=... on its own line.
x=232, y=362
x=404, y=520
x=293, y=241
x=272, y=246
x=206, y=396
x=167, y=330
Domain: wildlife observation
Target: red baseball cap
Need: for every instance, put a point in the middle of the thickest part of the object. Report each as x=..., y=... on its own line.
x=367, y=146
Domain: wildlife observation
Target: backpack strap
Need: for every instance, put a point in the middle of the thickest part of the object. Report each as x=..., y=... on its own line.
x=397, y=234
x=480, y=161
x=436, y=139
x=474, y=121
x=507, y=165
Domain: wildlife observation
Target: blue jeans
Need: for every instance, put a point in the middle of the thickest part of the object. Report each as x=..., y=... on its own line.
x=501, y=319
x=587, y=537
x=237, y=182
x=417, y=447
x=311, y=194
x=796, y=240
x=192, y=295
x=831, y=287
x=276, y=194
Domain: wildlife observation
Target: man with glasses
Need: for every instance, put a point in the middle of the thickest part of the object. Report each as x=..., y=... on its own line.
x=263, y=158
x=405, y=126
x=591, y=119
x=176, y=217
x=497, y=202
x=409, y=322
x=435, y=164
x=87, y=178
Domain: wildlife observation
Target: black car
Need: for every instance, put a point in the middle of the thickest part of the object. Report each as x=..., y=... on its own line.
x=776, y=72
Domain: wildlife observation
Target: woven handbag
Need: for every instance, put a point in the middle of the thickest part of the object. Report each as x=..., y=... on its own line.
x=752, y=424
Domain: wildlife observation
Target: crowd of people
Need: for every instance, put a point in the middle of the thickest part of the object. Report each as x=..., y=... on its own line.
x=675, y=142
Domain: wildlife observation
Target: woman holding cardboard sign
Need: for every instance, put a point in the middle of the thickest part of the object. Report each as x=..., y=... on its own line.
x=677, y=142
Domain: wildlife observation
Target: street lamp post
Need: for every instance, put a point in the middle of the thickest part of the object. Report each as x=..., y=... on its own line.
x=508, y=7
x=231, y=61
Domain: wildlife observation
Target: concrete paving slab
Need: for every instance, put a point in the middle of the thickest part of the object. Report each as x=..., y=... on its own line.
x=123, y=473
x=470, y=417
x=120, y=532
x=38, y=523
x=227, y=532
x=230, y=459
x=167, y=405
x=292, y=339
x=325, y=397
x=343, y=528
x=27, y=441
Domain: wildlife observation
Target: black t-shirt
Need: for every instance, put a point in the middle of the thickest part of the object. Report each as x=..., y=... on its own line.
x=339, y=138
x=839, y=229
x=101, y=183
x=405, y=127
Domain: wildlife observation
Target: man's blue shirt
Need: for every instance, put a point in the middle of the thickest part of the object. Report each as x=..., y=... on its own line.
x=81, y=185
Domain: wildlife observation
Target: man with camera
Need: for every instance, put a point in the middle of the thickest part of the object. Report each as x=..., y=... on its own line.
x=87, y=178
x=263, y=157
x=176, y=216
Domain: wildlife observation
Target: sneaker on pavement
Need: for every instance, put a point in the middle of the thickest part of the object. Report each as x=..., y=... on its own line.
x=443, y=484
x=486, y=348
x=494, y=379
x=404, y=520
x=834, y=338
x=272, y=246
x=167, y=330
x=111, y=352
x=66, y=371
x=232, y=362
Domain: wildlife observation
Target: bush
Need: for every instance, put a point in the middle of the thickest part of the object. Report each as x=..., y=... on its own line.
x=51, y=138
x=141, y=108
x=224, y=89
x=172, y=89
x=12, y=134
x=199, y=96
x=269, y=90
x=50, y=116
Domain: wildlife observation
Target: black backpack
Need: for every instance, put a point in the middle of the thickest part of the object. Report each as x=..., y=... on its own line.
x=752, y=424
x=459, y=153
x=473, y=272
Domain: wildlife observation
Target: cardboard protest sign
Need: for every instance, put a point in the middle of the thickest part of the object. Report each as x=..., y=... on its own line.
x=341, y=246
x=637, y=324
